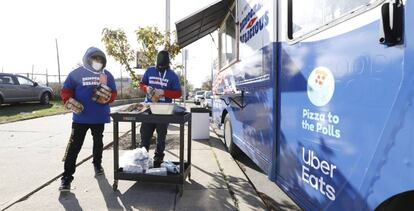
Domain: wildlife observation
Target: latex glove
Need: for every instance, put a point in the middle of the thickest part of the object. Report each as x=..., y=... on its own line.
x=150, y=90
x=74, y=106
x=159, y=92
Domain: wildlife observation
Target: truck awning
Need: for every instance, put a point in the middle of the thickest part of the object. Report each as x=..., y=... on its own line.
x=201, y=23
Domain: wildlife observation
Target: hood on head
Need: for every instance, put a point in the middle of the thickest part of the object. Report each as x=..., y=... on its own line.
x=93, y=51
x=163, y=60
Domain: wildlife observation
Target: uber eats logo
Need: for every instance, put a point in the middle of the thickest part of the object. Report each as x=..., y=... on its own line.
x=315, y=170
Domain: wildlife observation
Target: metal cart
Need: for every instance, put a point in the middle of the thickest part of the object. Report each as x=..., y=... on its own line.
x=185, y=167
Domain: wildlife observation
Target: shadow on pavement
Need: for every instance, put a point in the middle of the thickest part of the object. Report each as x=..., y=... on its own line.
x=109, y=195
x=69, y=201
x=245, y=162
x=149, y=196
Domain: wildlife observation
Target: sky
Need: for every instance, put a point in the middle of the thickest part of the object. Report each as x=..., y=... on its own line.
x=29, y=29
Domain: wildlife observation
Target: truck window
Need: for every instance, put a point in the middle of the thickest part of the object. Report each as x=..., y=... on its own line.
x=309, y=15
x=227, y=40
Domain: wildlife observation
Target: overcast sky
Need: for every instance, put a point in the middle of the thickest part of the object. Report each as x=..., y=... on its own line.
x=29, y=28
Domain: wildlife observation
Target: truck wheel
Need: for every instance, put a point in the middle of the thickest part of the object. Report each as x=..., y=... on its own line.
x=45, y=99
x=228, y=138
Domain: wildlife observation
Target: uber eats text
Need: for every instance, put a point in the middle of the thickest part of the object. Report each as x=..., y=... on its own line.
x=311, y=173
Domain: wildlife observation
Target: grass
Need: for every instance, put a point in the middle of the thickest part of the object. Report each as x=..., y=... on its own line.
x=22, y=111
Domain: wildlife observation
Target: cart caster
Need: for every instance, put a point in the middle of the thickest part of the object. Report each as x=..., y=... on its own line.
x=179, y=189
x=115, y=186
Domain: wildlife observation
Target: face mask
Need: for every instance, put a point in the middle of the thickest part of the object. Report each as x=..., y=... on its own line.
x=97, y=66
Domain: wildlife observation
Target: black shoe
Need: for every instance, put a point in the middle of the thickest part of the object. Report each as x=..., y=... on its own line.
x=158, y=159
x=65, y=184
x=98, y=169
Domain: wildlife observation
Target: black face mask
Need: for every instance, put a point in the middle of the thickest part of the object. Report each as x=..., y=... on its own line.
x=163, y=61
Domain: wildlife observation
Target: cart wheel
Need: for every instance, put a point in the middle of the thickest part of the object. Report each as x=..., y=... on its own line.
x=115, y=186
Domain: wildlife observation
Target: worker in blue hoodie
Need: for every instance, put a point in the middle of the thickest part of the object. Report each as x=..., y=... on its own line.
x=161, y=85
x=87, y=91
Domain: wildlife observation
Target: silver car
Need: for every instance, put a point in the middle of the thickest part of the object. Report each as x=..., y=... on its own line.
x=16, y=88
x=198, y=97
x=207, y=101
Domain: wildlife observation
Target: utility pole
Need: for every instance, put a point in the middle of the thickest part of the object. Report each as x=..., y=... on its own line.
x=185, y=57
x=167, y=21
x=58, y=63
x=47, y=78
x=32, y=70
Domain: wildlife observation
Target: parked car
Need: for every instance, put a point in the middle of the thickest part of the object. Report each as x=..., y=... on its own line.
x=17, y=88
x=198, y=97
x=207, y=101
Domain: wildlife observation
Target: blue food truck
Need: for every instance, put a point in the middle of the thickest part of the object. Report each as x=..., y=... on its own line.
x=319, y=94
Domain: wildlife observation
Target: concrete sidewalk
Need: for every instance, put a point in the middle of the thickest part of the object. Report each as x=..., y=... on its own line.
x=31, y=153
x=217, y=183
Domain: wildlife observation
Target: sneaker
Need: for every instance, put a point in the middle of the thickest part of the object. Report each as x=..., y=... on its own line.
x=65, y=184
x=98, y=169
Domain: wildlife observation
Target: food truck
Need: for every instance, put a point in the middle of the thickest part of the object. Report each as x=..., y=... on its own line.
x=319, y=94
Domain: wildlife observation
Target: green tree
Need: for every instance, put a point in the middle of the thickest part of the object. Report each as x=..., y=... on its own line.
x=117, y=46
x=206, y=85
x=149, y=39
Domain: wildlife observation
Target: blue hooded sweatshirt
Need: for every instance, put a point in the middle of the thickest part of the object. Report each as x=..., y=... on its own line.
x=82, y=82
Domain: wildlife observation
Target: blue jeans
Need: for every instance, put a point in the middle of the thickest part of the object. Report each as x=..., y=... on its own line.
x=146, y=130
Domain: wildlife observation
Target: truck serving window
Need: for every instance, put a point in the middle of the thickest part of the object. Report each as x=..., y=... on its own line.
x=310, y=15
x=227, y=40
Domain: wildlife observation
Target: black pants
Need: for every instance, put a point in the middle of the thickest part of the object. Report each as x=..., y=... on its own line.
x=75, y=144
x=147, y=129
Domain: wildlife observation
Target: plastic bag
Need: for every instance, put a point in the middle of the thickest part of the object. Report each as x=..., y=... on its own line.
x=135, y=159
x=133, y=169
x=171, y=167
x=162, y=171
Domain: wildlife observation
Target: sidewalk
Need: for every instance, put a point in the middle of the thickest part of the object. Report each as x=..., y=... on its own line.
x=217, y=183
x=31, y=153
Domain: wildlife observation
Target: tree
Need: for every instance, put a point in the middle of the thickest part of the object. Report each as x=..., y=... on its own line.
x=117, y=46
x=206, y=84
x=150, y=40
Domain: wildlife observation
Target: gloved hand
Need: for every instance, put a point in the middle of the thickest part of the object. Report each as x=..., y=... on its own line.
x=150, y=90
x=74, y=106
x=159, y=92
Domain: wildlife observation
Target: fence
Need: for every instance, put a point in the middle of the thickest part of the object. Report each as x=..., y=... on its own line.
x=124, y=85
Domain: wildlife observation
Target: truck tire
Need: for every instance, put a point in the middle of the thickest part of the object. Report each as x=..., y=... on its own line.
x=45, y=98
x=233, y=149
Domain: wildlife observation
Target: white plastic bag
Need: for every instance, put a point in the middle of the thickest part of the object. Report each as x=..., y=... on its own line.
x=162, y=171
x=171, y=167
x=134, y=160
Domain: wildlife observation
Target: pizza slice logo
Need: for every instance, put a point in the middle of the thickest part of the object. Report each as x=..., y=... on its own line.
x=321, y=86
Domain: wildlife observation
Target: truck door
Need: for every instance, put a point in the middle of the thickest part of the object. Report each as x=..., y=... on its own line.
x=351, y=55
